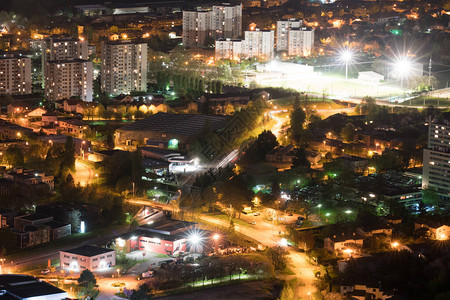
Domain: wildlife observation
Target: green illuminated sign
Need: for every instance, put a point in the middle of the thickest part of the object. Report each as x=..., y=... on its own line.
x=173, y=144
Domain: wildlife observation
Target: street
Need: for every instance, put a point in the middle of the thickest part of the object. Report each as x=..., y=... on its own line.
x=267, y=234
x=84, y=174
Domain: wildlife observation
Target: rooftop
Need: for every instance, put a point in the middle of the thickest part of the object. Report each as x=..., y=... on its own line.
x=88, y=250
x=27, y=287
x=180, y=124
x=34, y=217
x=167, y=225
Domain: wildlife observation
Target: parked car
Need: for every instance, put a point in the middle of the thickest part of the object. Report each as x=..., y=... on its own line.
x=253, y=222
x=148, y=274
x=257, y=213
x=46, y=271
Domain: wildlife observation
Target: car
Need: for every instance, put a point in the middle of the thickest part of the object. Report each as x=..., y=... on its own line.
x=253, y=222
x=257, y=213
x=148, y=274
x=46, y=271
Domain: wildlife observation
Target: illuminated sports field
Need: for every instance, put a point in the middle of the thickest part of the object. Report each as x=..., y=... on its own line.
x=333, y=86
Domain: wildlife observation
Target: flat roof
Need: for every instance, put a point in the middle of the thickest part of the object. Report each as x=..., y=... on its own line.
x=88, y=250
x=25, y=287
x=167, y=225
x=34, y=217
x=179, y=124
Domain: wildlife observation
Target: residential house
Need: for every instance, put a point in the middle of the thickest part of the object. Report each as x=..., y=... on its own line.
x=18, y=108
x=87, y=257
x=437, y=230
x=282, y=154
x=30, y=177
x=6, y=218
x=340, y=243
x=73, y=127
x=354, y=163
x=49, y=118
x=36, y=113
x=70, y=105
x=363, y=292
x=367, y=231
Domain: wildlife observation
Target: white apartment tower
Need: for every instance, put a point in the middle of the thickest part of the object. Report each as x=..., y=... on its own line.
x=222, y=21
x=283, y=28
x=259, y=43
x=196, y=28
x=436, y=159
x=294, y=39
x=67, y=72
x=68, y=78
x=15, y=74
x=229, y=49
x=226, y=21
x=124, y=67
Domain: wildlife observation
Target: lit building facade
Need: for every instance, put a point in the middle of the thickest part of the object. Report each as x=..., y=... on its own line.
x=229, y=49
x=222, y=21
x=88, y=257
x=68, y=78
x=436, y=159
x=259, y=44
x=15, y=74
x=124, y=67
x=294, y=39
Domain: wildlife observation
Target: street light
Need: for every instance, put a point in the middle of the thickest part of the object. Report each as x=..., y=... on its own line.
x=118, y=273
x=346, y=57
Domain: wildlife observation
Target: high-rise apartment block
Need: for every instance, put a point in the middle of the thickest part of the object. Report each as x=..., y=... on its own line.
x=230, y=49
x=293, y=38
x=68, y=78
x=67, y=72
x=15, y=74
x=259, y=43
x=436, y=159
x=124, y=67
x=201, y=25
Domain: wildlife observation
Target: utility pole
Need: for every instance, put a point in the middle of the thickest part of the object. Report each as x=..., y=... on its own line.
x=429, y=73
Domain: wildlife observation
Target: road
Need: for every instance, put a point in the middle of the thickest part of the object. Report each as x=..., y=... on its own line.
x=84, y=174
x=267, y=234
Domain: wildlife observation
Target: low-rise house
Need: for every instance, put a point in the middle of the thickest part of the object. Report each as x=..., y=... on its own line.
x=437, y=230
x=82, y=147
x=354, y=163
x=36, y=229
x=70, y=105
x=5, y=144
x=363, y=292
x=13, y=131
x=282, y=154
x=313, y=157
x=88, y=257
x=368, y=231
x=30, y=177
x=18, y=108
x=49, y=118
x=36, y=113
x=73, y=127
x=6, y=218
x=344, y=243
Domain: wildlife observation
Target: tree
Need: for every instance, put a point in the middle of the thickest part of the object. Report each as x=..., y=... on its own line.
x=431, y=197
x=297, y=118
x=278, y=256
x=300, y=159
x=86, y=277
x=109, y=143
x=263, y=144
x=348, y=132
x=144, y=292
x=14, y=156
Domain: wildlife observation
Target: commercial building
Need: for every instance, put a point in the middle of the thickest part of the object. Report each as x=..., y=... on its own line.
x=201, y=25
x=68, y=78
x=15, y=74
x=436, y=159
x=124, y=67
x=259, y=44
x=24, y=287
x=230, y=49
x=293, y=38
x=88, y=257
x=164, y=237
x=174, y=130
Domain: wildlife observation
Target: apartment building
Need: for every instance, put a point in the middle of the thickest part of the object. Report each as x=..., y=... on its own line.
x=226, y=21
x=62, y=48
x=67, y=78
x=283, y=28
x=230, y=49
x=15, y=74
x=436, y=159
x=124, y=67
x=203, y=25
x=259, y=43
x=293, y=38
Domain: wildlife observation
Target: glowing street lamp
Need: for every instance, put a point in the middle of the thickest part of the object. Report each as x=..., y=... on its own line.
x=346, y=57
x=395, y=245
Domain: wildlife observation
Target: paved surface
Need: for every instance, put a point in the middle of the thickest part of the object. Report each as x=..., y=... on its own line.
x=84, y=174
x=108, y=291
x=267, y=234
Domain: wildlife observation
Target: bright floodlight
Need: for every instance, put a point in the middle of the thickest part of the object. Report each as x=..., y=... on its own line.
x=284, y=242
x=346, y=55
x=195, y=239
x=216, y=237
x=402, y=68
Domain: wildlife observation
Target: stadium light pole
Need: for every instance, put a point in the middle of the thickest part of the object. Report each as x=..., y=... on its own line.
x=346, y=56
x=402, y=68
